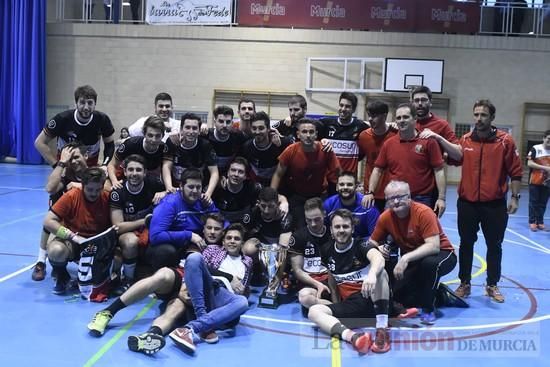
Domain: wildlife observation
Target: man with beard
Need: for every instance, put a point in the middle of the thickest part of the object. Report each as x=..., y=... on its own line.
x=224, y=139
x=417, y=161
x=304, y=169
x=343, y=132
x=188, y=150
x=358, y=269
x=77, y=215
x=66, y=175
x=149, y=146
x=432, y=126
x=130, y=205
x=163, y=109
x=348, y=198
x=83, y=124
x=260, y=151
x=426, y=252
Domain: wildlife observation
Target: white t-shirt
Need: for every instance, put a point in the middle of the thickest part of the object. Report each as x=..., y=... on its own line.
x=172, y=126
x=233, y=265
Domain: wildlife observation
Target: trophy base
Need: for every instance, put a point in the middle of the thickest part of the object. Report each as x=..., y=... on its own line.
x=268, y=301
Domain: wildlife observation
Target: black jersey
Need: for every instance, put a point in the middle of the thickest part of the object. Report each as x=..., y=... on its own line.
x=66, y=128
x=235, y=206
x=134, y=145
x=266, y=231
x=135, y=205
x=226, y=150
x=344, y=140
x=309, y=245
x=263, y=162
x=66, y=178
x=291, y=131
x=201, y=156
x=349, y=267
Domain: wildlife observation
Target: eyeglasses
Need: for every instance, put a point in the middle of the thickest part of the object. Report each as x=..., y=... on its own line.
x=391, y=200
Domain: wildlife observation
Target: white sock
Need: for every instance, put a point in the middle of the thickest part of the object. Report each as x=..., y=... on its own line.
x=42, y=255
x=381, y=321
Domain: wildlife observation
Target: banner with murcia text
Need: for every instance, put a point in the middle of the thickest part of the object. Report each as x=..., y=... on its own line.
x=375, y=15
x=188, y=12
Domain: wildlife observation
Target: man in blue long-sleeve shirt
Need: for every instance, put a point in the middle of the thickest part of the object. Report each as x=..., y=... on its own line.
x=177, y=222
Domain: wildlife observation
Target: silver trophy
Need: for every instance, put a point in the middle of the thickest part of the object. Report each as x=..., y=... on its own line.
x=273, y=258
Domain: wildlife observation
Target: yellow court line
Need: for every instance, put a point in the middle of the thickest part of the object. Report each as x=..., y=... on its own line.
x=480, y=271
x=336, y=353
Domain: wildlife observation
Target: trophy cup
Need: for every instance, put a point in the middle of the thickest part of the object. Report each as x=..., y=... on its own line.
x=273, y=258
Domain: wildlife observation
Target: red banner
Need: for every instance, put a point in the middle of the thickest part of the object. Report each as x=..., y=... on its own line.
x=388, y=15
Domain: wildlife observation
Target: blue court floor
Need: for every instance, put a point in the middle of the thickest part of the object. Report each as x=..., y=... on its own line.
x=42, y=329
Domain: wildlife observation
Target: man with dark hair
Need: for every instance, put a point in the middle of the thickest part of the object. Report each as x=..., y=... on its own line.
x=176, y=222
x=163, y=109
x=83, y=124
x=304, y=169
x=149, y=146
x=260, y=151
x=78, y=214
x=130, y=205
x=490, y=157
x=66, y=175
x=538, y=161
x=370, y=143
x=188, y=150
x=225, y=140
x=348, y=198
x=426, y=252
x=297, y=109
x=416, y=161
x=432, y=126
x=246, y=109
x=358, y=269
x=343, y=132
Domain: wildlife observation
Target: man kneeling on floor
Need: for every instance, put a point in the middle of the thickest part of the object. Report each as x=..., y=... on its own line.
x=358, y=269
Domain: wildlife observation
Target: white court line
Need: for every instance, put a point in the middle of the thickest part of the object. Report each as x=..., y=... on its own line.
x=16, y=273
x=21, y=219
x=23, y=188
x=544, y=251
x=466, y=327
x=528, y=240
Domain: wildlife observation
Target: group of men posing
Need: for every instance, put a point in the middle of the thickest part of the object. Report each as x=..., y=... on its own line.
x=211, y=196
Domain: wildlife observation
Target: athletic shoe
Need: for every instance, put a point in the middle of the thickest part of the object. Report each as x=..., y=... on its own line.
x=463, y=290
x=61, y=283
x=183, y=337
x=122, y=287
x=542, y=227
x=408, y=313
x=99, y=323
x=362, y=342
x=39, y=271
x=381, y=341
x=146, y=343
x=493, y=292
x=533, y=227
x=209, y=337
x=427, y=318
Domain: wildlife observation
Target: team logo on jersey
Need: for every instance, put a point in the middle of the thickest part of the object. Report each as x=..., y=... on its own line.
x=115, y=196
x=419, y=148
x=291, y=241
x=121, y=148
x=51, y=124
x=165, y=148
x=246, y=218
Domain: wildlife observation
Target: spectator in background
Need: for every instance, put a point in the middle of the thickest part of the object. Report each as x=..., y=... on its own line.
x=163, y=109
x=538, y=160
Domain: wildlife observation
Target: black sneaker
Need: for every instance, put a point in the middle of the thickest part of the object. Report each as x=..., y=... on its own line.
x=61, y=283
x=146, y=343
x=39, y=271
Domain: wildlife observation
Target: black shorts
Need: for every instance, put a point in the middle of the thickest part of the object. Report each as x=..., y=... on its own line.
x=354, y=307
x=178, y=280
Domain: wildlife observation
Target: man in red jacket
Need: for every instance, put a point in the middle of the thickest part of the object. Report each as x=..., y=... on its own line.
x=489, y=158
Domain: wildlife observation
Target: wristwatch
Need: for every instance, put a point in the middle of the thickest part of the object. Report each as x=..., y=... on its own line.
x=61, y=164
x=516, y=196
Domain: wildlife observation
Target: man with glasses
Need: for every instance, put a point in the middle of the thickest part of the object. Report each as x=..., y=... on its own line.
x=407, y=157
x=370, y=143
x=426, y=252
x=432, y=126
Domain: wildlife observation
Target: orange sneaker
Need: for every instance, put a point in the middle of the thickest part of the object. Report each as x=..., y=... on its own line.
x=362, y=343
x=533, y=227
x=493, y=292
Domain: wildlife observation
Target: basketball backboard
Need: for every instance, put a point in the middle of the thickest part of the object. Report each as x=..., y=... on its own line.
x=403, y=74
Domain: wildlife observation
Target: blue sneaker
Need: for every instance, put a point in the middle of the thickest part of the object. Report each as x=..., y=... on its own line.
x=427, y=318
